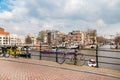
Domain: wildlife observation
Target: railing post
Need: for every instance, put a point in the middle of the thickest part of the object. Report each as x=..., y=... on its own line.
x=97, y=56
x=40, y=51
x=27, y=51
x=75, y=57
x=15, y=47
x=56, y=54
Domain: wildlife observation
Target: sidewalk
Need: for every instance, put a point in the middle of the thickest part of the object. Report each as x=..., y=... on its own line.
x=28, y=69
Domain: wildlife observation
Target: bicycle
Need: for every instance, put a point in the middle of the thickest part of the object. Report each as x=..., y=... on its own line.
x=78, y=59
x=13, y=51
x=3, y=51
x=75, y=58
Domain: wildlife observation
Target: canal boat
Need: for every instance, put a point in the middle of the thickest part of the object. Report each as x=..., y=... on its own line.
x=90, y=46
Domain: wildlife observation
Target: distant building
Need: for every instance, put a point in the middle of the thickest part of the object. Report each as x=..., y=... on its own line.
x=13, y=39
x=4, y=37
x=51, y=37
x=54, y=37
x=34, y=40
x=75, y=36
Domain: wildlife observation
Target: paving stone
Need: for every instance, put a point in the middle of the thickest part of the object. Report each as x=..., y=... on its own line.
x=12, y=70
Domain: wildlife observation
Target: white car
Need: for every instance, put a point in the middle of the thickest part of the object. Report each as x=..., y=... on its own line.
x=92, y=63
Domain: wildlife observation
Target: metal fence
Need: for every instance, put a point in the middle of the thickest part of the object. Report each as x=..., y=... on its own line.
x=110, y=57
x=96, y=54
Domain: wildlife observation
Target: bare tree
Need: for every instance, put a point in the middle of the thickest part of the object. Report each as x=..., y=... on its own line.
x=100, y=39
x=28, y=40
x=41, y=36
x=117, y=39
x=92, y=33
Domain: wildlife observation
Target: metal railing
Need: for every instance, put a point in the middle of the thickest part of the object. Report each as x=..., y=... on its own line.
x=96, y=55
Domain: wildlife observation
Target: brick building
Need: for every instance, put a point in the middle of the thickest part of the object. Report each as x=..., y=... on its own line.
x=74, y=36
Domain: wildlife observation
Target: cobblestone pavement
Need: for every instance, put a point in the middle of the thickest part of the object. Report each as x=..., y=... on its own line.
x=27, y=69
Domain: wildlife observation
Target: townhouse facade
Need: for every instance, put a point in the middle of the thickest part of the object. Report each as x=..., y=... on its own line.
x=16, y=40
x=9, y=39
x=50, y=37
x=4, y=37
x=54, y=37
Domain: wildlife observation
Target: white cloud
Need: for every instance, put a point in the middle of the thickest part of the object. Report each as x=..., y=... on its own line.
x=35, y=21
x=6, y=15
x=101, y=23
x=33, y=15
x=72, y=6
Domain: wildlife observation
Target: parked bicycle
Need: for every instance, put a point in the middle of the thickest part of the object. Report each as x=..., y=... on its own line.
x=74, y=58
x=13, y=51
x=3, y=51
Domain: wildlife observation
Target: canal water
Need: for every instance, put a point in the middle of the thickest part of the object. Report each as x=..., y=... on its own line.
x=109, y=53
x=110, y=57
x=103, y=61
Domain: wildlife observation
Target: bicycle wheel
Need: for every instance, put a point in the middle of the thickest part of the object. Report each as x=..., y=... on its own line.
x=61, y=58
x=72, y=59
x=16, y=55
x=1, y=54
x=80, y=59
x=7, y=54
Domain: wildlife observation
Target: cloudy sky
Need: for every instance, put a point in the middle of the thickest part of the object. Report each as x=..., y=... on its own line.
x=30, y=16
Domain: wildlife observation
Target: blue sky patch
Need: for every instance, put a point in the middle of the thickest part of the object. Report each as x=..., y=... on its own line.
x=4, y=5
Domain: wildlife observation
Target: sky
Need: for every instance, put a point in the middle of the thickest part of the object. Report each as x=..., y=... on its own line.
x=31, y=16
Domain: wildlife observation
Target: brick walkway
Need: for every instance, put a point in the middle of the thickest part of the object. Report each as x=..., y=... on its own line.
x=18, y=69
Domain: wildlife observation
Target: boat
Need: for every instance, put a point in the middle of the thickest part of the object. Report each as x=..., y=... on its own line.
x=112, y=46
x=117, y=46
x=72, y=46
x=90, y=46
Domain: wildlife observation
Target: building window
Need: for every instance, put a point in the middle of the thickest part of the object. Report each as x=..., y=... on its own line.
x=4, y=38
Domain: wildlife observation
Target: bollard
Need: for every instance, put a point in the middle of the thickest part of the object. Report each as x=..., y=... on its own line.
x=97, y=66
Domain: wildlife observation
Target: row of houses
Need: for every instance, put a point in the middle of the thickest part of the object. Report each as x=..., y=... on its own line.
x=54, y=37
x=50, y=37
x=9, y=39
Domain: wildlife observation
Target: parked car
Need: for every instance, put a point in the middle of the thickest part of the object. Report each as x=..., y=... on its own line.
x=92, y=63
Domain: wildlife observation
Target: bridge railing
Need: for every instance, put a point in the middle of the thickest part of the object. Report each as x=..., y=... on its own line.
x=96, y=54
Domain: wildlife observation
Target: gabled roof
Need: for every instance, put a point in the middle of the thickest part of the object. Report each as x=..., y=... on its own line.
x=2, y=32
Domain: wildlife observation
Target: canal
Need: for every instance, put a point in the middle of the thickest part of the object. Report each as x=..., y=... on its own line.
x=103, y=61
x=109, y=53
